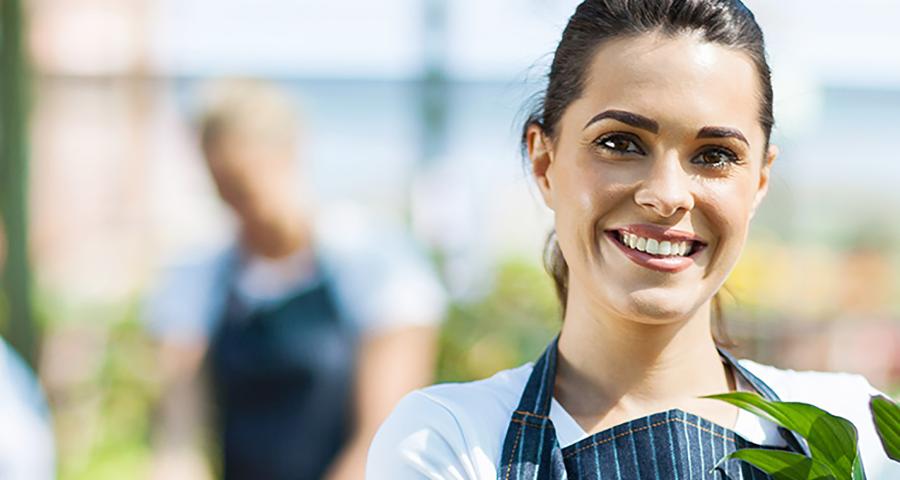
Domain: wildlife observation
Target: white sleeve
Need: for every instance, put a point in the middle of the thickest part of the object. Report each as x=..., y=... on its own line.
x=421, y=439
x=181, y=306
x=27, y=449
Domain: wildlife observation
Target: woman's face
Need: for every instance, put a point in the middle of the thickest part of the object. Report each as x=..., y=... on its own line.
x=664, y=148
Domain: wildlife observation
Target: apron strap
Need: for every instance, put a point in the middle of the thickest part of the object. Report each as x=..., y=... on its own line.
x=752, y=379
x=530, y=449
x=539, y=390
x=792, y=439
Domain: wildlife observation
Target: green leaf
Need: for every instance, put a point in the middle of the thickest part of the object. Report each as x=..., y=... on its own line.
x=858, y=473
x=886, y=414
x=832, y=440
x=782, y=465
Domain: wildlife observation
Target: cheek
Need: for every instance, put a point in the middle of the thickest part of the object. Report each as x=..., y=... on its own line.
x=590, y=186
x=727, y=209
x=583, y=198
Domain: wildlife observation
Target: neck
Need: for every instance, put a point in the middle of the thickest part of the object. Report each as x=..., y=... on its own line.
x=608, y=363
x=276, y=240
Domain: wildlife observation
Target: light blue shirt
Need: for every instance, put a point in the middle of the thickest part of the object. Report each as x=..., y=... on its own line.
x=380, y=277
x=26, y=437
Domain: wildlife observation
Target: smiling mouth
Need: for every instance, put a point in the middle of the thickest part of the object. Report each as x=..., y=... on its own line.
x=673, y=253
x=657, y=247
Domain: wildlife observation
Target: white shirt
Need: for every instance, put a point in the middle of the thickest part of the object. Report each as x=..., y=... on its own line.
x=26, y=438
x=456, y=431
x=381, y=280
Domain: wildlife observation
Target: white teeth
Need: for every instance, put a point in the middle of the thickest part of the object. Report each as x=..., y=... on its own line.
x=655, y=247
x=665, y=247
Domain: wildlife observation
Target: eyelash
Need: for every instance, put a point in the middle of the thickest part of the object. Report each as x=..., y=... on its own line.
x=731, y=157
x=618, y=136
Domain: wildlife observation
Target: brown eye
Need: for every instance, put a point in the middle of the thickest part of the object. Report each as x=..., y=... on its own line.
x=619, y=143
x=715, y=158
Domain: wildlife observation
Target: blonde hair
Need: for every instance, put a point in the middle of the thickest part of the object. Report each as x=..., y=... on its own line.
x=247, y=107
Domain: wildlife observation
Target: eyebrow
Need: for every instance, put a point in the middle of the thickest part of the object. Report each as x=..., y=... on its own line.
x=628, y=118
x=644, y=123
x=722, y=132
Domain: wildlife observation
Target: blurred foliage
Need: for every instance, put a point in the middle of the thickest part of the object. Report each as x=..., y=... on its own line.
x=776, y=279
x=509, y=326
x=103, y=420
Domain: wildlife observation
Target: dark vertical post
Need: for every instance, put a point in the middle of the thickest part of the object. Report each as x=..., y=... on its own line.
x=434, y=81
x=15, y=283
x=432, y=100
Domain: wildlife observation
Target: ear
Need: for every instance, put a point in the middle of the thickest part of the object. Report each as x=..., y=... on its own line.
x=764, y=172
x=540, y=153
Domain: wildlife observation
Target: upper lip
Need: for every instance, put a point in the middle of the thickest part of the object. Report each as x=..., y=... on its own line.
x=659, y=233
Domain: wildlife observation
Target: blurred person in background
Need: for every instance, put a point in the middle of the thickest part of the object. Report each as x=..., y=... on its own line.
x=312, y=325
x=27, y=449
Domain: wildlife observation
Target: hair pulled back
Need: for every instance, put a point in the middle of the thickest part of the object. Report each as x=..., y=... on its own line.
x=724, y=22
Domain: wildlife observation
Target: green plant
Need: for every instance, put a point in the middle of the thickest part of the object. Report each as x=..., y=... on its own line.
x=886, y=415
x=507, y=327
x=832, y=440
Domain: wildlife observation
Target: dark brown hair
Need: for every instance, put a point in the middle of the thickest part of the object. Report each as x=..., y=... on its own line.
x=725, y=22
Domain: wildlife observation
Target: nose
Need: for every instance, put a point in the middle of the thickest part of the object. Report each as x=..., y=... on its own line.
x=666, y=189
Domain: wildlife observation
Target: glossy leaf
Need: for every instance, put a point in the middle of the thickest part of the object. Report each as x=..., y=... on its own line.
x=858, y=473
x=886, y=414
x=782, y=465
x=832, y=440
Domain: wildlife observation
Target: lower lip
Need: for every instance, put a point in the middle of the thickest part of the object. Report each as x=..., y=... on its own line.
x=673, y=264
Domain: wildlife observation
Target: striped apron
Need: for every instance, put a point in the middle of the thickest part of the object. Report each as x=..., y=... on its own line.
x=670, y=445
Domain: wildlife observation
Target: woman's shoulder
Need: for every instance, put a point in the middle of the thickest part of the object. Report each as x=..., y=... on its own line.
x=843, y=394
x=447, y=428
x=502, y=389
x=812, y=386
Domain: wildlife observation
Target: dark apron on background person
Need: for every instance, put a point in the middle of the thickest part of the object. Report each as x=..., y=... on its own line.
x=282, y=378
x=670, y=445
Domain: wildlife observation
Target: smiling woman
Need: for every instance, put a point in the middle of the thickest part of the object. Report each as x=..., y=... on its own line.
x=651, y=146
x=678, y=145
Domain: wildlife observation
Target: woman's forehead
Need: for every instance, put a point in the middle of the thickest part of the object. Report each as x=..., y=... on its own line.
x=679, y=80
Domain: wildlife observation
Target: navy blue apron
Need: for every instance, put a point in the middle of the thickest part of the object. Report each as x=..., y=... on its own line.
x=282, y=378
x=670, y=445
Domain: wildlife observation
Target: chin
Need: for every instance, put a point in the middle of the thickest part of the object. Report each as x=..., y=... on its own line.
x=658, y=306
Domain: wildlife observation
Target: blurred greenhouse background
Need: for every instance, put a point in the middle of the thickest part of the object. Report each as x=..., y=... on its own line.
x=409, y=106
